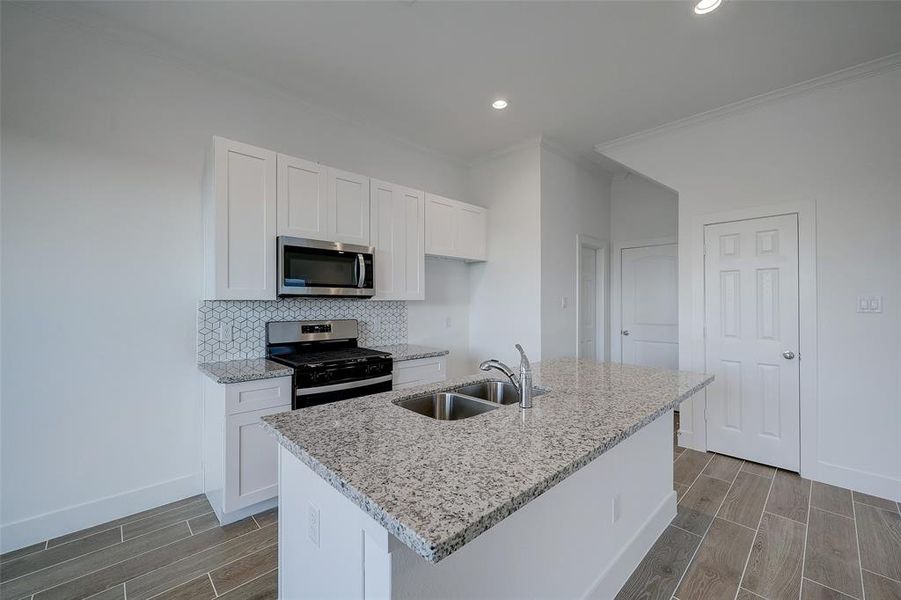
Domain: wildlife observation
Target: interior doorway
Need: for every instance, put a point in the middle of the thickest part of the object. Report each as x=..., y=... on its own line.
x=591, y=310
x=649, y=305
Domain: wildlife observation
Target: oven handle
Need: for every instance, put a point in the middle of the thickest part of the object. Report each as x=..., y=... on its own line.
x=361, y=282
x=342, y=386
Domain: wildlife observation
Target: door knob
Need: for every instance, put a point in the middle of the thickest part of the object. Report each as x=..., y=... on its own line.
x=788, y=355
x=625, y=332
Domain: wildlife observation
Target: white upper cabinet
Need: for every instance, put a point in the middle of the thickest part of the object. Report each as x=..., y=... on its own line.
x=348, y=207
x=455, y=229
x=239, y=222
x=398, y=231
x=302, y=199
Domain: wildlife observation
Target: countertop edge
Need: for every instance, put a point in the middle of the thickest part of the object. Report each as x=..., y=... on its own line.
x=446, y=547
x=213, y=374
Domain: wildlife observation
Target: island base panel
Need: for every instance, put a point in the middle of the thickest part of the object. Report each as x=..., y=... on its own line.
x=581, y=538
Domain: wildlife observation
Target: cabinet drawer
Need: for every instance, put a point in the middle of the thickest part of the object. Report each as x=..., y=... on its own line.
x=408, y=373
x=257, y=395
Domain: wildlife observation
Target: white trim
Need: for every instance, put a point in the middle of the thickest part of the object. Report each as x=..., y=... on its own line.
x=603, y=285
x=616, y=288
x=867, y=69
x=615, y=576
x=876, y=484
x=692, y=348
x=80, y=516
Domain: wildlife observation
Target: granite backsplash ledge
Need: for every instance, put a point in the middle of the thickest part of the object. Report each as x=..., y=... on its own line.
x=381, y=323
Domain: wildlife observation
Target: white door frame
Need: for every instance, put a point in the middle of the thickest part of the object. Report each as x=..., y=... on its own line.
x=692, y=349
x=600, y=294
x=616, y=290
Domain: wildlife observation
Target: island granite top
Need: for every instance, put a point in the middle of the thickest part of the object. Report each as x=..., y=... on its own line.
x=244, y=369
x=436, y=485
x=410, y=351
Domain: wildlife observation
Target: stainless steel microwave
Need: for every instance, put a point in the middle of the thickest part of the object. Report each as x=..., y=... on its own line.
x=316, y=268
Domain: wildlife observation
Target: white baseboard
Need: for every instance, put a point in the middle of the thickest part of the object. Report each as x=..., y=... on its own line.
x=876, y=484
x=617, y=573
x=72, y=518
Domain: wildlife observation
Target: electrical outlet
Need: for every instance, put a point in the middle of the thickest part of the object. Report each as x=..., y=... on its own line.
x=564, y=301
x=614, y=509
x=226, y=332
x=447, y=322
x=313, y=524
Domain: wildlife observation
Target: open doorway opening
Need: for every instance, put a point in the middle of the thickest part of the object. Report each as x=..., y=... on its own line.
x=591, y=298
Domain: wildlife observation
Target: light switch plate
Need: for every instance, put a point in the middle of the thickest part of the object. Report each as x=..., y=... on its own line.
x=225, y=332
x=869, y=304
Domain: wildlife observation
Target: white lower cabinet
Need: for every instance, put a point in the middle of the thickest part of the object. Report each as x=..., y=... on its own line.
x=420, y=371
x=240, y=464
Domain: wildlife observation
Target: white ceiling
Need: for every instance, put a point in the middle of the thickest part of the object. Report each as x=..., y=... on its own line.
x=581, y=73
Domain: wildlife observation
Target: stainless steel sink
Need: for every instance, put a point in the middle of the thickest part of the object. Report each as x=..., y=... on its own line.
x=498, y=392
x=447, y=406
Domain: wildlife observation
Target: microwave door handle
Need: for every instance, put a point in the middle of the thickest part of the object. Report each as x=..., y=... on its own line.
x=357, y=271
x=361, y=262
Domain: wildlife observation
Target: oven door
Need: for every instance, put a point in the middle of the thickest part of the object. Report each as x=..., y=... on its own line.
x=323, y=394
x=316, y=268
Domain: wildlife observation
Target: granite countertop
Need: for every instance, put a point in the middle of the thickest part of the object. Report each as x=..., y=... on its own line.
x=245, y=369
x=436, y=485
x=410, y=351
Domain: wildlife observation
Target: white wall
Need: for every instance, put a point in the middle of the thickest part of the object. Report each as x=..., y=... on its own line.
x=103, y=147
x=575, y=199
x=840, y=147
x=505, y=291
x=443, y=319
x=642, y=210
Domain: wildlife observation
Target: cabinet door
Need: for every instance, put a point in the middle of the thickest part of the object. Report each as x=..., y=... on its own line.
x=413, y=208
x=302, y=199
x=397, y=235
x=470, y=230
x=348, y=207
x=251, y=460
x=241, y=253
x=440, y=217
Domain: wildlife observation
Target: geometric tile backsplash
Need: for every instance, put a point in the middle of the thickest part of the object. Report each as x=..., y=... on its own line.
x=381, y=323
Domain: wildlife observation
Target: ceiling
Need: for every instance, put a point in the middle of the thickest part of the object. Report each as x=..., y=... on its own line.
x=580, y=73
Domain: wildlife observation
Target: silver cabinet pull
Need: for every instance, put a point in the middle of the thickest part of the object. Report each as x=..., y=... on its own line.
x=788, y=355
x=625, y=332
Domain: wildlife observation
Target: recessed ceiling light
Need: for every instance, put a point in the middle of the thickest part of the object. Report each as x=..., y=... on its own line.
x=499, y=104
x=705, y=6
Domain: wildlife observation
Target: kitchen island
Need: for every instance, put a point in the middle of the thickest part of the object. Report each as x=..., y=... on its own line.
x=560, y=500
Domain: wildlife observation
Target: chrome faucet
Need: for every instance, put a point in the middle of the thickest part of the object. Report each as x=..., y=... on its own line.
x=524, y=384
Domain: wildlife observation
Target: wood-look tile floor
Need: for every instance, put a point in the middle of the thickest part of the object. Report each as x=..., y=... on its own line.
x=745, y=531
x=173, y=552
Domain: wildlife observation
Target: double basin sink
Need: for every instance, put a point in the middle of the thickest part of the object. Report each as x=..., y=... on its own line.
x=466, y=401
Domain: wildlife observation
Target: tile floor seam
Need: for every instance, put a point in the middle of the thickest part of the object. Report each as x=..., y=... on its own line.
x=789, y=518
x=210, y=575
x=695, y=553
x=894, y=508
x=806, y=534
x=686, y=531
x=249, y=581
x=191, y=530
x=863, y=592
x=750, y=592
x=158, y=528
x=196, y=553
x=831, y=588
x=744, y=569
x=826, y=510
x=881, y=575
x=62, y=562
x=735, y=522
x=125, y=559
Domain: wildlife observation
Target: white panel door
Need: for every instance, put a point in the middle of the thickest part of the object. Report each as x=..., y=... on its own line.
x=588, y=286
x=302, y=198
x=244, y=204
x=751, y=315
x=440, y=215
x=348, y=203
x=650, y=306
x=397, y=235
x=470, y=231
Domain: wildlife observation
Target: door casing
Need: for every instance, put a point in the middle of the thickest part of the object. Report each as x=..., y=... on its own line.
x=692, y=349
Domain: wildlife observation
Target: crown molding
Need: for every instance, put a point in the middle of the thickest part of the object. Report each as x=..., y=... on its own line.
x=879, y=66
x=576, y=157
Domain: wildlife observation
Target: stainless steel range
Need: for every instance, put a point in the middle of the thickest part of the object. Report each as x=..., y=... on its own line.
x=328, y=364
